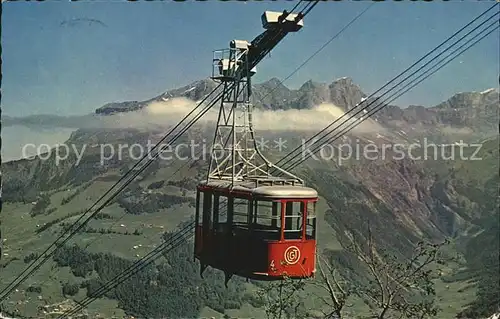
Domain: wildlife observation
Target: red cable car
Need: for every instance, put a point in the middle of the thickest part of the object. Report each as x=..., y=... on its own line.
x=263, y=233
x=253, y=218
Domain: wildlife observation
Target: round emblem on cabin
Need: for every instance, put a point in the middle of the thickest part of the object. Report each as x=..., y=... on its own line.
x=292, y=255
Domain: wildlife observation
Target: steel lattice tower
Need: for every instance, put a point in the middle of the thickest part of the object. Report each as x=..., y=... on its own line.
x=234, y=156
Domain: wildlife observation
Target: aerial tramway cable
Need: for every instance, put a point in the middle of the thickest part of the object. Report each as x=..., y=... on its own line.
x=139, y=265
x=178, y=135
x=283, y=161
x=13, y=285
x=179, y=237
x=46, y=255
x=403, y=90
x=353, y=116
x=113, y=224
x=296, y=162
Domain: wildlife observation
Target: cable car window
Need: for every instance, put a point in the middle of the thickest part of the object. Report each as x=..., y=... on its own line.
x=267, y=220
x=293, y=220
x=215, y=213
x=263, y=213
x=240, y=213
x=220, y=210
x=207, y=205
x=276, y=215
x=311, y=220
x=223, y=209
x=199, y=207
x=267, y=214
x=207, y=210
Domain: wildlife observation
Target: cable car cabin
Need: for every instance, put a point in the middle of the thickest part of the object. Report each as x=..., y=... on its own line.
x=263, y=233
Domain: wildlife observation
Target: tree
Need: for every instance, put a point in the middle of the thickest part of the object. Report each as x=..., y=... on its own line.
x=281, y=299
x=70, y=289
x=398, y=287
x=482, y=256
x=337, y=291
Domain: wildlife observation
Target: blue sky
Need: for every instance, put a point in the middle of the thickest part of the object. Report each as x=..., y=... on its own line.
x=149, y=47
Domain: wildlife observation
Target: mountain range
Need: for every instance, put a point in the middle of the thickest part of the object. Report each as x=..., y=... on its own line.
x=475, y=110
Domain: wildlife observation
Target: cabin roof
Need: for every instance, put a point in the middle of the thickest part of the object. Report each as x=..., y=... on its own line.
x=265, y=192
x=284, y=192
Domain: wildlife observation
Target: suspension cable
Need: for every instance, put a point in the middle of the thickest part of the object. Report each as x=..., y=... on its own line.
x=298, y=161
x=280, y=162
x=420, y=79
x=13, y=285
